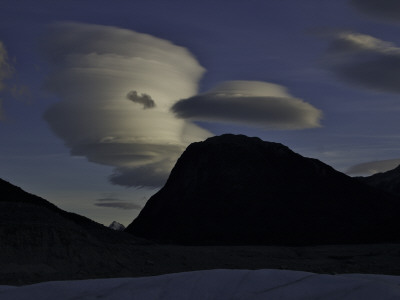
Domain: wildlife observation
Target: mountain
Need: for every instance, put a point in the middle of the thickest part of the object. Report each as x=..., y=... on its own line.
x=116, y=226
x=14, y=197
x=233, y=189
x=388, y=181
x=39, y=241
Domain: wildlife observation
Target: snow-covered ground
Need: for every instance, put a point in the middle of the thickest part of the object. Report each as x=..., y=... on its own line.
x=216, y=284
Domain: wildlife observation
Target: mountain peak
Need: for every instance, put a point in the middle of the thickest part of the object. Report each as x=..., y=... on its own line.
x=240, y=190
x=116, y=226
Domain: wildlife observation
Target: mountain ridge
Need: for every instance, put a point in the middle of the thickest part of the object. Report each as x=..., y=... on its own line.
x=38, y=244
x=39, y=241
x=388, y=181
x=239, y=190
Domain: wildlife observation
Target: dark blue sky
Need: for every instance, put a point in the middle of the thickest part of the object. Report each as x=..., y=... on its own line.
x=321, y=77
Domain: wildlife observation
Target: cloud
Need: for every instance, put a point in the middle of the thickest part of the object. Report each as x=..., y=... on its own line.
x=119, y=204
x=373, y=167
x=6, y=70
x=112, y=202
x=382, y=9
x=364, y=61
x=108, y=199
x=152, y=175
x=253, y=103
x=95, y=70
x=143, y=99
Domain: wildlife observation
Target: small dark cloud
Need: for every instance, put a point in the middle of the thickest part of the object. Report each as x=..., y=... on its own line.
x=370, y=168
x=382, y=9
x=120, y=205
x=365, y=61
x=143, y=99
x=253, y=103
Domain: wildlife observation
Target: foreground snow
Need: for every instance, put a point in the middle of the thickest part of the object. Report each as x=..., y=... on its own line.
x=217, y=284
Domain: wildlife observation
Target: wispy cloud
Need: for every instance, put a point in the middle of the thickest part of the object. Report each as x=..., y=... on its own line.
x=252, y=103
x=382, y=9
x=365, y=61
x=119, y=205
x=108, y=199
x=111, y=200
x=106, y=79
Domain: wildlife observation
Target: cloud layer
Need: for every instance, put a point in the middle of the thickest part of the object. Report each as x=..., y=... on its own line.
x=373, y=167
x=383, y=9
x=364, y=61
x=106, y=79
x=260, y=104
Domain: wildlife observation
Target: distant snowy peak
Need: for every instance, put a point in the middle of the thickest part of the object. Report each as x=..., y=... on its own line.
x=116, y=226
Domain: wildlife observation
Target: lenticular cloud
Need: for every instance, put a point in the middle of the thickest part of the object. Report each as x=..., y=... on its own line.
x=95, y=70
x=260, y=104
x=127, y=100
x=365, y=61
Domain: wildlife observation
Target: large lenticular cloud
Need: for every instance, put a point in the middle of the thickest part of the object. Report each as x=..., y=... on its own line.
x=116, y=88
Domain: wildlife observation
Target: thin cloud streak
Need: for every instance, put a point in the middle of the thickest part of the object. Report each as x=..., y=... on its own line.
x=119, y=205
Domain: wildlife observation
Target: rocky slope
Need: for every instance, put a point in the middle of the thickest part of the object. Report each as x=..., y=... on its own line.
x=239, y=190
x=388, y=181
x=40, y=241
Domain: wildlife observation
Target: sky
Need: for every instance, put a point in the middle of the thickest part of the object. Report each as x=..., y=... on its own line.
x=98, y=99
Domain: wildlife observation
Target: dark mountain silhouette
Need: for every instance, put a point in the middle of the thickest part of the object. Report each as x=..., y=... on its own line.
x=13, y=196
x=39, y=241
x=388, y=181
x=232, y=189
